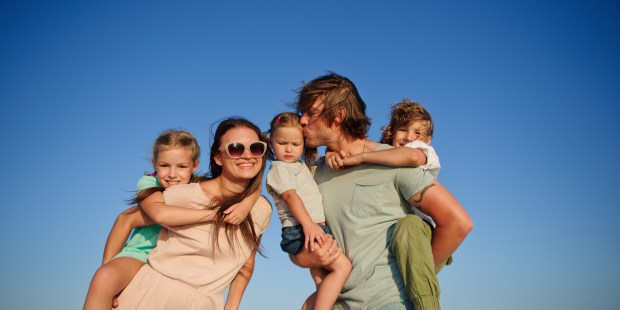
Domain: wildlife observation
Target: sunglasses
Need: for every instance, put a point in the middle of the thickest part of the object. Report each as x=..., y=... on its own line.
x=236, y=149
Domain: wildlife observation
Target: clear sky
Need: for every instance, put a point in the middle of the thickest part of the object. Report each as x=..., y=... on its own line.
x=524, y=94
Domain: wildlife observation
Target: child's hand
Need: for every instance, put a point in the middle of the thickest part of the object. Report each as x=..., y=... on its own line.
x=353, y=160
x=313, y=233
x=236, y=214
x=335, y=160
x=331, y=160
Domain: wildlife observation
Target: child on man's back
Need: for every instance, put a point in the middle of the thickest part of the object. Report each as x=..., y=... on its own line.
x=410, y=126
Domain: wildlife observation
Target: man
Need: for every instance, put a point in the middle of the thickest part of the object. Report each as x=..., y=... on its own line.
x=364, y=203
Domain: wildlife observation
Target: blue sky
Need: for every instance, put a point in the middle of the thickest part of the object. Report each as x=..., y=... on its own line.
x=524, y=94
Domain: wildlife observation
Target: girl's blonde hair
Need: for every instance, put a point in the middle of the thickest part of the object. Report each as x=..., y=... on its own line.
x=404, y=113
x=174, y=138
x=289, y=119
x=169, y=139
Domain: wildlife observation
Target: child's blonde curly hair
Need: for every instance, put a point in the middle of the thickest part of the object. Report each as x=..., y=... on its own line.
x=403, y=114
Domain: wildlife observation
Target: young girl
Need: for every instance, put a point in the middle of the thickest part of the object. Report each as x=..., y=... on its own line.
x=175, y=159
x=410, y=126
x=300, y=207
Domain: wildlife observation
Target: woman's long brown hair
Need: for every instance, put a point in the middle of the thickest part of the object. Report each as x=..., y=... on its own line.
x=247, y=226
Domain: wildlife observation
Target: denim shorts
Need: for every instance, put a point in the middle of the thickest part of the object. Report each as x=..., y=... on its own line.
x=293, y=238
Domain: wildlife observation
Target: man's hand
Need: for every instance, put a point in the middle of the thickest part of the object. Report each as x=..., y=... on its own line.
x=320, y=257
x=313, y=233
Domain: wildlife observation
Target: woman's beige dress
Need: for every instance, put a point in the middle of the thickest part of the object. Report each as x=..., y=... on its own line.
x=185, y=271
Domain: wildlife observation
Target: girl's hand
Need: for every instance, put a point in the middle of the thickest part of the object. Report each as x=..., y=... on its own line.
x=236, y=214
x=313, y=234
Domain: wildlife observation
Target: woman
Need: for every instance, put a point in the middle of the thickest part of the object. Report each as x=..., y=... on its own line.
x=193, y=265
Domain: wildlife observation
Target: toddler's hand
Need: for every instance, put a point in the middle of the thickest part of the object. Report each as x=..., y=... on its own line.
x=312, y=234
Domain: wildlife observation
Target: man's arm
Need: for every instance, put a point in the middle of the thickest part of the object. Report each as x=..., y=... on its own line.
x=124, y=224
x=452, y=221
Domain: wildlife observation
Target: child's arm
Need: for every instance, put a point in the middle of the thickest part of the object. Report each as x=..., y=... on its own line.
x=237, y=213
x=333, y=160
x=395, y=157
x=124, y=224
x=156, y=208
x=312, y=231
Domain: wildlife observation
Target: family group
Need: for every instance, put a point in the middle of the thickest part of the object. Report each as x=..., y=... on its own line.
x=369, y=219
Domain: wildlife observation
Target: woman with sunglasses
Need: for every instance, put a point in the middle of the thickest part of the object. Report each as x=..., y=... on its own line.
x=193, y=265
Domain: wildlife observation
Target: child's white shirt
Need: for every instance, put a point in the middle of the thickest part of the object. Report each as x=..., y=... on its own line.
x=432, y=160
x=432, y=166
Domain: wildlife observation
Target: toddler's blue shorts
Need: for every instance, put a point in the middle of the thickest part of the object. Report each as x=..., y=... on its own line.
x=293, y=238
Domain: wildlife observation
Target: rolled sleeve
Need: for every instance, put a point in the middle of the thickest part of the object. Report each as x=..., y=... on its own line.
x=411, y=181
x=147, y=181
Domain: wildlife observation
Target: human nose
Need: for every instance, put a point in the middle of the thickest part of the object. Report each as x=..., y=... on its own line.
x=411, y=136
x=247, y=154
x=303, y=120
x=172, y=172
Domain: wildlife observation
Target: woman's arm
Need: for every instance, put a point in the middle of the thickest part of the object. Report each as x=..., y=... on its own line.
x=240, y=283
x=124, y=224
x=452, y=221
x=167, y=215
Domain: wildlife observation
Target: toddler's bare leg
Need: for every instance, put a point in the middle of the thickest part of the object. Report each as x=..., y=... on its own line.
x=331, y=284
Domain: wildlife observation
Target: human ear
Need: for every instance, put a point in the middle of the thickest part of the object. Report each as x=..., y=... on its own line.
x=195, y=166
x=340, y=115
x=218, y=158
